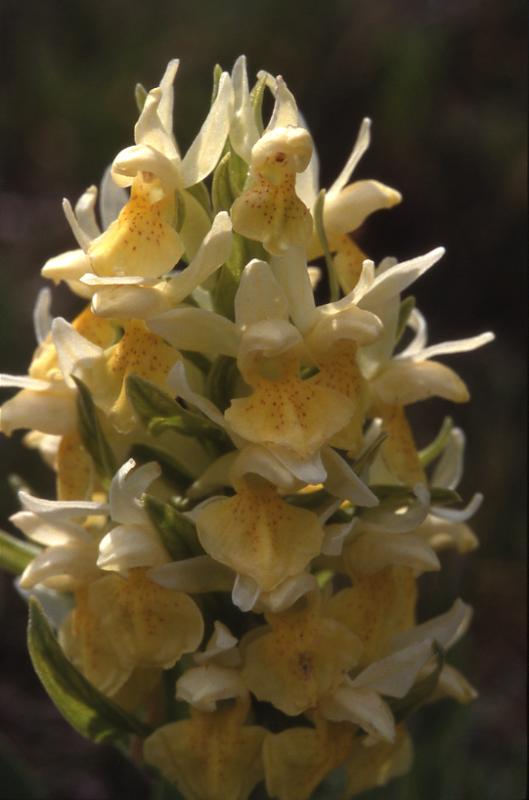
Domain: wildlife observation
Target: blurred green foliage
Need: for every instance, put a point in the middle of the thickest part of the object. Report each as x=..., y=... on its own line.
x=444, y=82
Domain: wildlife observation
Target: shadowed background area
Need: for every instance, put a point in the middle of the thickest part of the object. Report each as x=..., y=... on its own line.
x=444, y=82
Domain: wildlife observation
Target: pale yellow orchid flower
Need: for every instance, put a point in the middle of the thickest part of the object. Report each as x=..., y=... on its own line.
x=47, y=400
x=346, y=207
x=212, y=755
x=143, y=240
x=300, y=656
x=105, y=370
x=269, y=210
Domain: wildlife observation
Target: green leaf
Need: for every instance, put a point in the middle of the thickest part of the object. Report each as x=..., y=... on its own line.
x=159, y=413
x=91, y=433
x=342, y=515
x=221, y=193
x=308, y=371
x=180, y=211
x=197, y=359
x=15, y=554
x=255, y=250
x=172, y=471
x=436, y=447
x=308, y=499
x=217, y=72
x=140, y=95
x=237, y=173
x=176, y=531
x=393, y=492
x=402, y=707
x=319, y=501
x=87, y=710
x=201, y=195
x=334, y=288
x=148, y=400
x=406, y=307
x=366, y=459
x=229, y=276
x=256, y=98
x=221, y=378
x=444, y=497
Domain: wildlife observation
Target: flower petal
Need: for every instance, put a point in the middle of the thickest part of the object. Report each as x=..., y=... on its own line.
x=128, y=546
x=142, y=241
x=259, y=296
x=177, y=381
x=196, y=575
x=375, y=550
x=83, y=239
x=459, y=515
x=212, y=754
x=202, y=687
x=205, y=151
x=71, y=348
x=85, y=212
x=46, y=532
x=42, y=318
x=449, y=469
x=149, y=626
x=364, y=708
x=359, y=148
x=59, y=510
x=377, y=607
x=456, y=346
x=377, y=764
x=69, y=266
x=213, y=252
x=74, y=563
x=243, y=129
x=53, y=411
x=446, y=629
x=292, y=274
x=395, y=674
x=257, y=460
x=128, y=484
x=346, y=211
x=258, y=534
x=407, y=381
x=393, y=281
x=112, y=198
x=298, y=759
x=343, y=482
x=198, y=330
x=300, y=659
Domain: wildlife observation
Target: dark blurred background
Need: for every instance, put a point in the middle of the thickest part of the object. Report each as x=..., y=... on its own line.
x=445, y=84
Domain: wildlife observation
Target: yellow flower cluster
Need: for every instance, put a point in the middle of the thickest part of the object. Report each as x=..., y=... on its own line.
x=242, y=512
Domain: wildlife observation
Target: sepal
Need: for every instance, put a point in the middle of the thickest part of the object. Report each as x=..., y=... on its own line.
x=420, y=692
